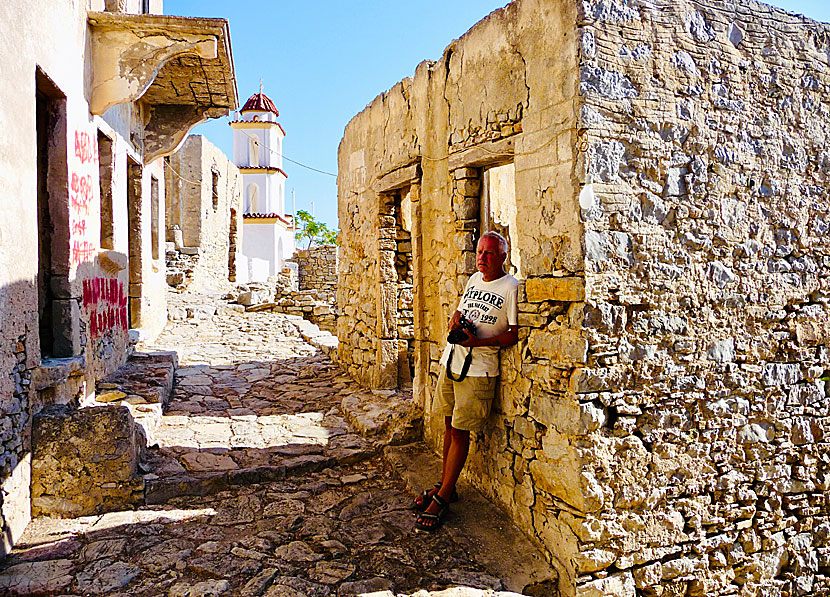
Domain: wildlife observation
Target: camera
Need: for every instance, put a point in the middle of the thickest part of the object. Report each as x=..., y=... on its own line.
x=457, y=335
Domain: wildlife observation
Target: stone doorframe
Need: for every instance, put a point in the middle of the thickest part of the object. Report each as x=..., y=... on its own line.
x=400, y=350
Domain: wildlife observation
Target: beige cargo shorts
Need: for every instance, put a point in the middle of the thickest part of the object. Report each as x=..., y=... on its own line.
x=468, y=401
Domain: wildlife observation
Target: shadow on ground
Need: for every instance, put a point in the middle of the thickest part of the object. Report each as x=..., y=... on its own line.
x=332, y=532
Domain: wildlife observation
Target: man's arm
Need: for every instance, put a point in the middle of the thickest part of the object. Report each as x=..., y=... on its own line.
x=507, y=338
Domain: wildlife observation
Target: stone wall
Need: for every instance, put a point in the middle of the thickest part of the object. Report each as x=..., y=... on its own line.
x=317, y=270
x=204, y=200
x=660, y=426
x=707, y=264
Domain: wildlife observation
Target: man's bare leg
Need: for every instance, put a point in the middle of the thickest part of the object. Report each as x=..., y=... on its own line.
x=447, y=442
x=453, y=464
x=456, y=458
x=445, y=453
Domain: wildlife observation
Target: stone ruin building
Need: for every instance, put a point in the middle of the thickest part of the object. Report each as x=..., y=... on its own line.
x=204, y=220
x=661, y=171
x=90, y=103
x=204, y=216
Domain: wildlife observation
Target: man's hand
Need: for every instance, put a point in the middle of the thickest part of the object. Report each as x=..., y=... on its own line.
x=471, y=340
x=455, y=321
x=507, y=338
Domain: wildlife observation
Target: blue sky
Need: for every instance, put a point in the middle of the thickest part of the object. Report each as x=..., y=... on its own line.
x=323, y=61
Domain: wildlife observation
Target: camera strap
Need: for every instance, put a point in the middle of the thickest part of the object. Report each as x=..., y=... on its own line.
x=464, y=368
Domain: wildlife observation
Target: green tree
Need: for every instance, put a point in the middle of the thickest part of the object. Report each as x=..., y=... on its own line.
x=314, y=231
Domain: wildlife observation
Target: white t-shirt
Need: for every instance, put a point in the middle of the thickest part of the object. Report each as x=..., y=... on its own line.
x=491, y=307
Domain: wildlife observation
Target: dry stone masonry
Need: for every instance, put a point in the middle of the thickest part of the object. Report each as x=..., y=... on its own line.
x=317, y=270
x=306, y=287
x=660, y=427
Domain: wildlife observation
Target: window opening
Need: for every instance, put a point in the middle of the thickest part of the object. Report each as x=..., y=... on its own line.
x=44, y=225
x=253, y=153
x=253, y=199
x=53, y=223
x=134, y=175
x=498, y=208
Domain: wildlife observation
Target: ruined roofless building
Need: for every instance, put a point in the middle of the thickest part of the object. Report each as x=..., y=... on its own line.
x=204, y=200
x=661, y=170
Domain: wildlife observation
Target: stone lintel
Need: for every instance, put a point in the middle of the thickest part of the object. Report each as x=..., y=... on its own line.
x=490, y=153
x=570, y=289
x=397, y=179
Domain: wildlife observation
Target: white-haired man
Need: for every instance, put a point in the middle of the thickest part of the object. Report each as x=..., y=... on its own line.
x=467, y=382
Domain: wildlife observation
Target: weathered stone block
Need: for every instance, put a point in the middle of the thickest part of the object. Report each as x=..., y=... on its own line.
x=598, y=380
x=562, y=346
x=84, y=461
x=555, y=289
x=465, y=207
x=616, y=585
x=557, y=413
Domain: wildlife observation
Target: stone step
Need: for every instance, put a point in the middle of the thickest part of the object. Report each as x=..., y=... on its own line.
x=325, y=341
x=144, y=385
x=160, y=489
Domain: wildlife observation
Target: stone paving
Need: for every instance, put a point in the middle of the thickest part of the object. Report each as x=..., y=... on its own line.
x=252, y=402
x=263, y=488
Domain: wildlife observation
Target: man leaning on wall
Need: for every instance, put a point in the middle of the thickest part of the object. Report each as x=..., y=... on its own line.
x=484, y=322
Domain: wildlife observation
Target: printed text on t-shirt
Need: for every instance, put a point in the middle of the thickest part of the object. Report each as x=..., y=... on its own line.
x=490, y=298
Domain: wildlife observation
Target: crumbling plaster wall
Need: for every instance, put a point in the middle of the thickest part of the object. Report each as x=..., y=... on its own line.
x=86, y=283
x=661, y=424
x=54, y=51
x=205, y=220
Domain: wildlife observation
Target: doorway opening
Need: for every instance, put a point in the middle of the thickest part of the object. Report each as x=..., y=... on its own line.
x=52, y=217
x=105, y=165
x=134, y=176
x=233, y=238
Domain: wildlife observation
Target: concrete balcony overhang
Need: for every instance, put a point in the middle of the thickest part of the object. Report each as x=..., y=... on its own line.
x=179, y=70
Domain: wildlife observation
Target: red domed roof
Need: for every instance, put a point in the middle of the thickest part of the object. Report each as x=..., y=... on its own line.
x=260, y=102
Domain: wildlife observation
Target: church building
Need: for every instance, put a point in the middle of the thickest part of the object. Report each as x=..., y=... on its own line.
x=268, y=232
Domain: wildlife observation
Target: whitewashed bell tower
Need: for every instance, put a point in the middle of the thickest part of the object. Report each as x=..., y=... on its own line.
x=268, y=232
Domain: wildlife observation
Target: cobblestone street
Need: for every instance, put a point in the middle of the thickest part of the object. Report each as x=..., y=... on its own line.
x=272, y=492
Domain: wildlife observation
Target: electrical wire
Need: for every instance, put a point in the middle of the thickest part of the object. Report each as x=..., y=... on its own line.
x=287, y=158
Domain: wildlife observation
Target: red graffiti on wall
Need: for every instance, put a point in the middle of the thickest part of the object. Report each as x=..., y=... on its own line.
x=83, y=181
x=86, y=147
x=82, y=251
x=106, y=303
